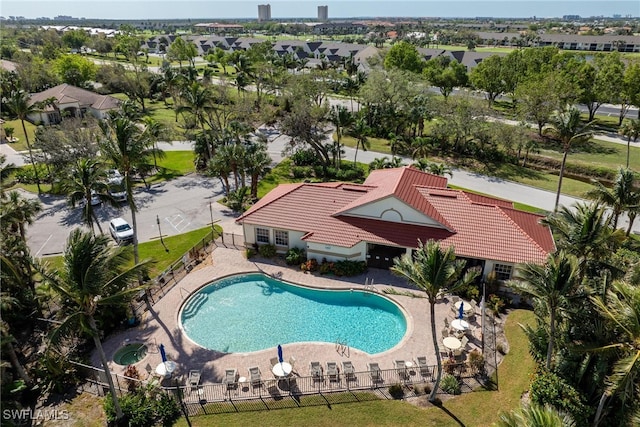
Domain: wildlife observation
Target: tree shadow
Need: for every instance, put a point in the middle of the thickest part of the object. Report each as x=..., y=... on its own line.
x=451, y=415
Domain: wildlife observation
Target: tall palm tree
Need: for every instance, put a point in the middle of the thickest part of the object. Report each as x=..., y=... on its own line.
x=535, y=416
x=621, y=310
x=6, y=169
x=550, y=285
x=341, y=119
x=257, y=161
x=19, y=212
x=83, y=185
x=360, y=131
x=631, y=129
x=432, y=269
x=623, y=196
x=197, y=100
x=126, y=145
x=7, y=303
x=18, y=103
x=154, y=130
x=95, y=277
x=567, y=127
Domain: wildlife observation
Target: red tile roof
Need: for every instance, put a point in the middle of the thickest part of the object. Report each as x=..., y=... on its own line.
x=478, y=226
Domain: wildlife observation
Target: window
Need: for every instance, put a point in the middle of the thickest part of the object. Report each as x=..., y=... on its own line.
x=282, y=238
x=503, y=271
x=262, y=235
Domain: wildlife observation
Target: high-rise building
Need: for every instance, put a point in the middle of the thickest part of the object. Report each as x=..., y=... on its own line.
x=264, y=12
x=323, y=13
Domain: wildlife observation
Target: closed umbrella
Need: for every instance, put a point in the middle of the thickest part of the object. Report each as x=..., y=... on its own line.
x=461, y=310
x=163, y=354
x=280, y=358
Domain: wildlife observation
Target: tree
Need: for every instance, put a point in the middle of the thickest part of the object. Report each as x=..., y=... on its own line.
x=550, y=285
x=404, y=56
x=257, y=162
x=181, y=50
x=487, y=76
x=537, y=98
x=445, y=74
x=360, y=131
x=127, y=146
x=620, y=309
x=19, y=104
x=75, y=69
x=567, y=127
x=622, y=196
x=95, y=277
x=631, y=129
x=342, y=119
x=75, y=39
x=433, y=269
x=630, y=92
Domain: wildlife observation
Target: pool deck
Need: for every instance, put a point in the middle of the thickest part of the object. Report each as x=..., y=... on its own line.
x=161, y=325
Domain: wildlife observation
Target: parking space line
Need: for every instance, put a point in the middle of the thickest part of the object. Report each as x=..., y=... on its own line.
x=43, y=245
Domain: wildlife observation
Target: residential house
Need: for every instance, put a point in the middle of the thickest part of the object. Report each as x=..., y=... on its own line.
x=70, y=101
x=388, y=214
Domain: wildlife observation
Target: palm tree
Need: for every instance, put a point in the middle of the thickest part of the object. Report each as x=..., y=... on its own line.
x=85, y=184
x=535, y=416
x=18, y=103
x=7, y=303
x=623, y=196
x=341, y=119
x=6, y=169
x=18, y=212
x=360, y=131
x=95, y=277
x=197, y=100
x=432, y=269
x=257, y=161
x=631, y=129
x=126, y=145
x=550, y=285
x=620, y=308
x=154, y=130
x=567, y=127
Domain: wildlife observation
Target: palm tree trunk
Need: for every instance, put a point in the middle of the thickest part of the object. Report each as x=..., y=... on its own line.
x=628, y=149
x=356, y=155
x=552, y=334
x=134, y=224
x=95, y=219
x=432, y=309
x=632, y=218
x=105, y=366
x=562, y=166
x=13, y=358
x=35, y=170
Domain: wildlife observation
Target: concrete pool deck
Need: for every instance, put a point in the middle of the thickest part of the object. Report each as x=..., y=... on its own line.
x=160, y=325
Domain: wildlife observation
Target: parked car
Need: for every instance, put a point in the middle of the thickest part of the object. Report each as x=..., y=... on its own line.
x=114, y=176
x=95, y=200
x=121, y=231
x=118, y=192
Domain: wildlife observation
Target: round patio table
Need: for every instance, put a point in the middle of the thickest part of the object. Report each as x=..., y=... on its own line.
x=282, y=369
x=468, y=309
x=459, y=324
x=452, y=343
x=166, y=369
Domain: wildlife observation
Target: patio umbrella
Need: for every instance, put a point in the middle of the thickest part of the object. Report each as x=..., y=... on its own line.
x=163, y=354
x=280, y=358
x=461, y=310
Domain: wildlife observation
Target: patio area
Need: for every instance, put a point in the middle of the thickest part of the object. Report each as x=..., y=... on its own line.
x=161, y=326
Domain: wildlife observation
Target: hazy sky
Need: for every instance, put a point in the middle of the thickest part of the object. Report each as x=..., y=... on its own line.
x=223, y=9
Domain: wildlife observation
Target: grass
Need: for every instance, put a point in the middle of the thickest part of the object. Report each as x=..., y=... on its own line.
x=281, y=174
x=598, y=153
x=480, y=408
x=173, y=165
x=21, y=144
x=549, y=181
x=379, y=145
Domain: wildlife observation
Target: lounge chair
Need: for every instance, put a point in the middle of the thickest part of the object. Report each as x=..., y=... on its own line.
x=316, y=371
x=463, y=343
x=255, y=377
x=349, y=371
x=445, y=332
x=231, y=379
x=332, y=371
x=446, y=323
x=194, y=379
x=374, y=371
x=292, y=362
x=401, y=368
x=423, y=367
x=274, y=361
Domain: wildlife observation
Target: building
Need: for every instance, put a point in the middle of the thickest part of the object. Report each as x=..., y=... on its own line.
x=264, y=12
x=388, y=214
x=70, y=101
x=323, y=13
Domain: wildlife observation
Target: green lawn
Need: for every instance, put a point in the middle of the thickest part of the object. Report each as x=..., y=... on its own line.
x=379, y=145
x=281, y=174
x=480, y=408
x=598, y=153
x=549, y=181
x=21, y=144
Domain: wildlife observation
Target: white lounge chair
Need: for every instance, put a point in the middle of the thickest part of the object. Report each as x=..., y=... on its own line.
x=332, y=371
x=374, y=371
x=231, y=379
x=255, y=377
x=274, y=361
x=316, y=371
x=194, y=379
x=423, y=367
x=349, y=371
x=401, y=369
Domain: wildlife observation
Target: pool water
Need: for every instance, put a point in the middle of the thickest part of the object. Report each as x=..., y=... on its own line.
x=130, y=354
x=253, y=312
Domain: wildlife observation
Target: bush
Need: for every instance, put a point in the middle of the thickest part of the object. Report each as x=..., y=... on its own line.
x=249, y=253
x=450, y=384
x=496, y=304
x=132, y=372
x=302, y=171
x=349, y=268
x=267, y=251
x=396, y=391
x=294, y=256
x=26, y=174
x=450, y=366
x=476, y=361
x=309, y=265
x=356, y=174
x=500, y=349
x=305, y=157
x=144, y=407
x=548, y=388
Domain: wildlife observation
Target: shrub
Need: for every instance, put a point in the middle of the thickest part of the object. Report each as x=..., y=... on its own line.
x=548, y=388
x=476, y=361
x=294, y=256
x=396, y=391
x=145, y=407
x=309, y=265
x=450, y=384
x=132, y=372
x=427, y=388
x=500, y=349
x=350, y=174
x=249, y=253
x=267, y=251
x=450, y=366
x=302, y=171
x=496, y=304
x=349, y=268
x=305, y=157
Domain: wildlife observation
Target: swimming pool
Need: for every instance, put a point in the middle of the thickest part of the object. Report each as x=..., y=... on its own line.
x=253, y=312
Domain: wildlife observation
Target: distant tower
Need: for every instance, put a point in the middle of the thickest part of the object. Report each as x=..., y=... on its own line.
x=264, y=12
x=323, y=13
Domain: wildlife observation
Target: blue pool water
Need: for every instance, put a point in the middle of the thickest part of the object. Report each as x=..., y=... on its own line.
x=253, y=312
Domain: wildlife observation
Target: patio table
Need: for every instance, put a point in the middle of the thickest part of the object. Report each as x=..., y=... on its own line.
x=468, y=309
x=460, y=324
x=452, y=343
x=166, y=369
x=282, y=369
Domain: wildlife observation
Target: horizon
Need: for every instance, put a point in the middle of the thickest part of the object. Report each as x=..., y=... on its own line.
x=307, y=9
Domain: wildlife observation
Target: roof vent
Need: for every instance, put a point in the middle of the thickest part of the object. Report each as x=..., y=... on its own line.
x=355, y=188
x=448, y=194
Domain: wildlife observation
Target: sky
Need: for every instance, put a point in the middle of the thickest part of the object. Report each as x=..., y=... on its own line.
x=226, y=9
